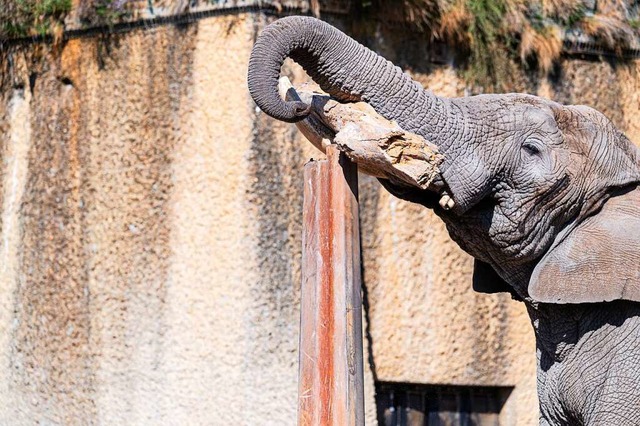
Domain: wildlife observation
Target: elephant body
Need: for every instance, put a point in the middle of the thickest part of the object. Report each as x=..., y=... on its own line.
x=588, y=359
x=546, y=198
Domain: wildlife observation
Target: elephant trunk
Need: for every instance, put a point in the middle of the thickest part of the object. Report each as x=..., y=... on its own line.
x=343, y=68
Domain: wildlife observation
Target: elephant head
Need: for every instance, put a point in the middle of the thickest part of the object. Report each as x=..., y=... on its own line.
x=546, y=196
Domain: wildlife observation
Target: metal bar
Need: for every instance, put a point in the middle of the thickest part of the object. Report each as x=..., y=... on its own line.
x=331, y=373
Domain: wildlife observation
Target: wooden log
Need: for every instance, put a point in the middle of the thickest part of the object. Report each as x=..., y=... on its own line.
x=331, y=370
x=331, y=364
x=379, y=146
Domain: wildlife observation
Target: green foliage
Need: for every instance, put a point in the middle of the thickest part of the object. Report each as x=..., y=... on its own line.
x=20, y=18
x=106, y=12
x=536, y=19
x=575, y=17
x=23, y=18
x=488, y=56
x=54, y=8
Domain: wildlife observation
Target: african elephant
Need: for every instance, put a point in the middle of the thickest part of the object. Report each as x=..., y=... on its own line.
x=546, y=198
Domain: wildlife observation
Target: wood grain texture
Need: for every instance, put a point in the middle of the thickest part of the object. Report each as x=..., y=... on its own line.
x=331, y=371
x=379, y=146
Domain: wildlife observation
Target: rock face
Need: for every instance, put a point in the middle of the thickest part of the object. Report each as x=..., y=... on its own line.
x=150, y=239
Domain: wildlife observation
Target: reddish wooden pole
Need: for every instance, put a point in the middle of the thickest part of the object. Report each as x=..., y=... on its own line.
x=331, y=372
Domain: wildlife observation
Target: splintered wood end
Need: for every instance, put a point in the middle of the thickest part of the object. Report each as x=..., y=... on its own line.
x=379, y=146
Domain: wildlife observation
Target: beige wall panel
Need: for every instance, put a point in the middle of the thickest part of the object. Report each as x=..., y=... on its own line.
x=151, y=234
x=16, y=140
x=150, y=239
x=629, y=77
x=613, y=89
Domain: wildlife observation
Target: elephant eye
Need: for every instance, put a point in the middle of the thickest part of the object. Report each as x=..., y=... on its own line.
x=531, y=148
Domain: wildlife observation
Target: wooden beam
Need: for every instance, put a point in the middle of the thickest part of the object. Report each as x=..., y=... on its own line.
x=331, y=370
x=379, y=146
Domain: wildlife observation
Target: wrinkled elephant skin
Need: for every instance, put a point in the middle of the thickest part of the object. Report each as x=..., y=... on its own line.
x=546, y=198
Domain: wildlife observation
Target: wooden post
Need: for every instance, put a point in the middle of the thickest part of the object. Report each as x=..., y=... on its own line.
x=331, y=372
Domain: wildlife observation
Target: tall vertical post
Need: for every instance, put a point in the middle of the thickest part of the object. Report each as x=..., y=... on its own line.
x=331, y=372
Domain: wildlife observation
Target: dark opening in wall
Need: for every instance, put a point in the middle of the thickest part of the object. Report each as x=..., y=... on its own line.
x=403, y=404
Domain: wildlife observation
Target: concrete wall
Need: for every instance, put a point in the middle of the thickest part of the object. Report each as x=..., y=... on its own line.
x=150, y=239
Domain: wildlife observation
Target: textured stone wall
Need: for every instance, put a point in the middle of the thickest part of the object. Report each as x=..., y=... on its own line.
x=150, y=239
x=150, y=235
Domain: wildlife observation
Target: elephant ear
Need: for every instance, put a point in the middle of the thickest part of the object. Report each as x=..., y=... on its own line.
x=597, y=261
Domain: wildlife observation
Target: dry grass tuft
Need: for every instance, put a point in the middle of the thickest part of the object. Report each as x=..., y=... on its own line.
x=561, y=10
x=454, y=22
x=489, y=35
x=528, y=31
x=421, y=14
x=544, y=44
x=613, y=32
x=619, y=9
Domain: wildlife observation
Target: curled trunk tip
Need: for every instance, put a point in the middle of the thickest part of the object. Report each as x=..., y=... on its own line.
x=272, y=47
x=342, y=67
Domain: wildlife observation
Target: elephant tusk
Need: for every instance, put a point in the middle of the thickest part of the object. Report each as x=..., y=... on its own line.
x=446, y=202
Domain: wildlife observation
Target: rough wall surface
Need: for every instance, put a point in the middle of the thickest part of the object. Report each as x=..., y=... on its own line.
x=150, y=240
x=143, y=287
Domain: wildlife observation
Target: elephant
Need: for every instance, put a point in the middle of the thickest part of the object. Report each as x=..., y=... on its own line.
x=544, y=196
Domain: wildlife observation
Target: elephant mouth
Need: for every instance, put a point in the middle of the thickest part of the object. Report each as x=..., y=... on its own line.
x=437, y=196
x=440, y=190
x=441, y=198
